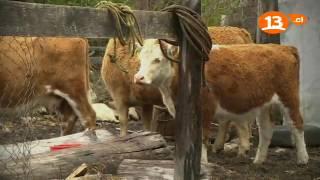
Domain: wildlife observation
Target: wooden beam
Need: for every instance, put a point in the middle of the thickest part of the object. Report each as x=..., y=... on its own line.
x=188, y=122
x=29, y=19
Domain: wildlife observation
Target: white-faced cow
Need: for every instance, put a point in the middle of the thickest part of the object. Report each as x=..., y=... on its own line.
x=245, y=80
x=52, y=72
x=119, y=68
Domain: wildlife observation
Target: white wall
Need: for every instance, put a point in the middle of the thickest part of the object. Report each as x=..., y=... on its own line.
x=307, y=39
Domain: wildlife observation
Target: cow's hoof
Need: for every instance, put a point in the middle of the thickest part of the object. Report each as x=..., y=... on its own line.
x=258, y=161
x=303, y=159
x=216, y=149
x=243, y=153
x=91, y=134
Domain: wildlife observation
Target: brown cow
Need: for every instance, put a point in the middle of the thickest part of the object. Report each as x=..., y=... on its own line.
x=118, y=73
x=52, y=72
x=245, y=81
x=229, y=35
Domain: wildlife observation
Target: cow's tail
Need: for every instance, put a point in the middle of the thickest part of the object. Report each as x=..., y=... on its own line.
x=294, y=51
x=88, y=67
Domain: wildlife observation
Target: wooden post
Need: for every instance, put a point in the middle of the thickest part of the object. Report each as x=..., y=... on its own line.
x=141, y=5
x=264, y=6
x=188, y=122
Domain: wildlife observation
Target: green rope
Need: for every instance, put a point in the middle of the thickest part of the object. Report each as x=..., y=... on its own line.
x=123, y=17
x=126, y=26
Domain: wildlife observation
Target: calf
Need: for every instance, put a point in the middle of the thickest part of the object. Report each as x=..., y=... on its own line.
x=245, y=81
x=118, y=71
x=52, y=72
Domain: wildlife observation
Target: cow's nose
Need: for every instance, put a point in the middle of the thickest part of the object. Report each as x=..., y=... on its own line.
x=138, y=78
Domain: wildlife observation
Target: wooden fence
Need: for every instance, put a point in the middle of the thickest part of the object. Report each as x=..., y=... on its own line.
x=27, y=19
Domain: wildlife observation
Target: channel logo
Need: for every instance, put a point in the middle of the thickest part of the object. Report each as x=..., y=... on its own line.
x=276, y=22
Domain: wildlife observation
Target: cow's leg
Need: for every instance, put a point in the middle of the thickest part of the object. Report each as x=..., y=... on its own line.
x=207, y=116
x=221, y=136
x=123, y=111
x=290, y=105
x=294, y=120
x=204, y=153
x=68, y=118
x=265, y=134
x=82, y=108
x=147, y=116
x=244, y=136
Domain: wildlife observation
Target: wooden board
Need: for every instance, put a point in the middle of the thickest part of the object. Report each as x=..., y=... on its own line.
x=107, y=154
x=154, y=169
x=30, y=19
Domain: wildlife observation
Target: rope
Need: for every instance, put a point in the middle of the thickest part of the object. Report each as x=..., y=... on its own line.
x=194, y=30
x=123, y=17
x=127, y=29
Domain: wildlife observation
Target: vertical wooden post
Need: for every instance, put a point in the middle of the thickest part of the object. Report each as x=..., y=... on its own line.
x=142, y=5
x=264, y=6
x=188, y=122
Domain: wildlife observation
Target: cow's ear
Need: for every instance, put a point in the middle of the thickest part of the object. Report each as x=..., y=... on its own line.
x=138, y=48
x=173, y=51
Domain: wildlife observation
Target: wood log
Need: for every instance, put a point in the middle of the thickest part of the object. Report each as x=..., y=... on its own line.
x=106, y=154
x=43, y=146
x=157, y=169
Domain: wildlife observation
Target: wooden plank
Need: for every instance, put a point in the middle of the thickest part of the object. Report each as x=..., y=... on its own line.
x=30, y=19
x=157, y=169
x=43, y=146
x=263, y=7
x=188, y=118
x=107, y=154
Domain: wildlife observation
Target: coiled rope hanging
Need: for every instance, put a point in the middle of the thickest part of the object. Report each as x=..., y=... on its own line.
x=123, y=17
x=127, y=29
x=193, y=29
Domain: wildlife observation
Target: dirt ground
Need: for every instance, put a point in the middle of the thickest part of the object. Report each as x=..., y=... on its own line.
x=280, y=165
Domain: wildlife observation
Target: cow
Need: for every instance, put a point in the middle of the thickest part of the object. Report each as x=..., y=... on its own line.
x=50, y=72
x=119, y=67
x=245, y=81
x=229, y=35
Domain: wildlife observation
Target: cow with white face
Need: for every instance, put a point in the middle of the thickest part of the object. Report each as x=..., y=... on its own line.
x=155, y=69
x=245, y=80
x=118, y=77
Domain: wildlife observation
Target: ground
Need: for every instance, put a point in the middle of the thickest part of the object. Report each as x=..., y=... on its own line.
x=280, y=165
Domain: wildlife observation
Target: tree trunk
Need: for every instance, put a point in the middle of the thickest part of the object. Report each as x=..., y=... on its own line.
x=106, y=154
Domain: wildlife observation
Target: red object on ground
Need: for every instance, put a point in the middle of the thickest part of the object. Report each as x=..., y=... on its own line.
x=64, y=146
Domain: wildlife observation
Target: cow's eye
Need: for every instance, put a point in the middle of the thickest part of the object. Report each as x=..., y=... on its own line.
x=156, y=61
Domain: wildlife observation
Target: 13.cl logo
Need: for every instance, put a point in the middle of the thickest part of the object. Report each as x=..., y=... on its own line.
x=273, y=22
x=298, y=19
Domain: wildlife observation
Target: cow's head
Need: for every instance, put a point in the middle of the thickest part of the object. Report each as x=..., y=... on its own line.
x=155, y=68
